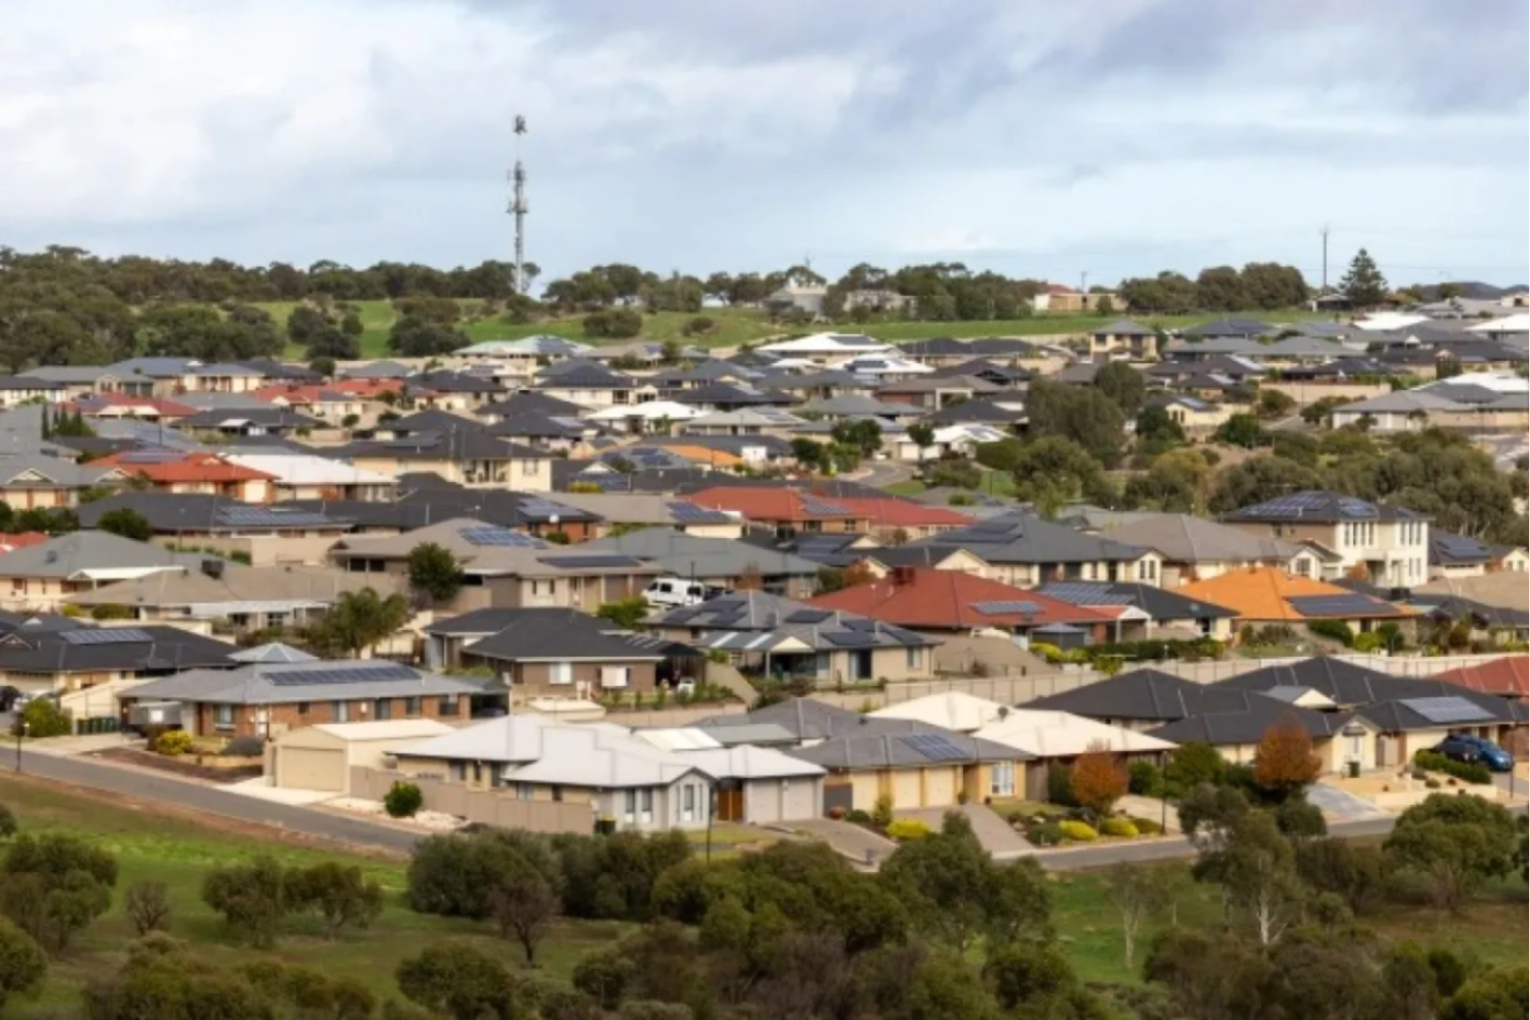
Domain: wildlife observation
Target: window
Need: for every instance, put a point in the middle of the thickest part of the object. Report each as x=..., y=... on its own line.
x=1001, y=782
x=478, y=772
x=557, y=794
x=223, y=717
x=541, y=588
x=302, y=708
x=447, y=706
x=614, y=676
x=560, y=673
x=340, y=711
x=459, y=771
x=383, y=709
x=629, y=808
x=647, y=805
x=525, y=791
x=528, y=467
x=411, y=707
x=688, y=803
x=915, y=658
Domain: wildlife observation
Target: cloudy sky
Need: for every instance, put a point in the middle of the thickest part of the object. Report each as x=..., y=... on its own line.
x=1113, y=137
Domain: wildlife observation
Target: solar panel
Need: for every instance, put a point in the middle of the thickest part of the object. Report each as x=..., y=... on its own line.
x=681, y=615
x=852, y=639
x=864, y=626
x=106, y=636
x=1351, y=507
x=690, y=513
x=1337, y=605
x=727, y=602
x=1448, y=710
x=935, y=747
x=726, y=618
x=266, y=517
x=358, y=675
x=1085, y=593
x=808, y=616
x=534, y=506
x=591, y=562
x=500, y=537
x=902, y=636
x=813, y=505
x=1005, y=608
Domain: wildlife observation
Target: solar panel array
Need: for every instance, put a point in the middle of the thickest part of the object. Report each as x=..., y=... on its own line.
x=1460, y=547
x=1300, y=504
x=1448, y=710
x=935, y=747
x=266, y=517
x=814, y=505
x=358, y=675
x=535, y=506
x=106, y=636
x=1085, y=593
x=852, y=639
x=690, y=513
x=860, y=624
x=503, y=537
x=592, y=562
x=1336, y=605
x=682, y=615
x=1003, y=608
x=808, y=616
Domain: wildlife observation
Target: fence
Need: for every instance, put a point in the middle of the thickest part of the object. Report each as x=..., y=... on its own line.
x=487, y=807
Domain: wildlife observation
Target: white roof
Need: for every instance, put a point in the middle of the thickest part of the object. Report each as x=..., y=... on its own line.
x=827, y=343
x=651, y=411
x=679, y=738
x=1064, y=735
x=1387, y=321
x=749, y=762
x=973, y=431
x=1498, y=382
x=391, y=729
x=1516, y=323
x=953, y=710
x=306, y=469
x=875, y=363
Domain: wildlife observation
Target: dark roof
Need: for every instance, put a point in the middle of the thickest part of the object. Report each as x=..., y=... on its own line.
x=829, y=549
x=1024, y=538
x=644, y=480
x=1231, y=328
x=564, y=634
x=471, y=443
x=1243, y=717
x=1125, y=327
x=265, y=417
x=431, y=505
x=913, y=745
x=984, y=410
x=452, y=382
x=585, y=375
x=1414, y=712
x=143, y=650
x=430, y=420
x=1448, y=549
x=479, y=621
x=1159, y=603
x=538, y=425
x=1345, y=683
x=529, y=403
x=169, y=512
x=723, y=394
x=810, y=719
x=1140, y=694
x=1323, y=507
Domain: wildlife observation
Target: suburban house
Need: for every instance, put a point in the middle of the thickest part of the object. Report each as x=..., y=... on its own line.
x=323, y=756
x=1139, y=700
x=266, y=699
x=1266, y=595
x=1386, y=545
x=1143, y=612
x=1025, y=551
x=1234, y=721
x=1506, y=677
x=266, y=533
x=625, y=782
x=794, y=511
x=1060, y=738
x=715, y=561
x=307, y=476
x=1123, y=339
x=1194, y=549
x=59, y=659
x=469, y=456
x=775, y=636
x=191, y=472
x=1452, y=555
x=626, y=512
x=40, y=481
x=1197, y=416
x=46, y=576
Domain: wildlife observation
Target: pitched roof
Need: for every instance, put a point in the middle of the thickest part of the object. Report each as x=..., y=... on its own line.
x=1345, y=683
x=951, y=599
x=237, y=588
x=1054, y=734
x=182, y=466
x=759, y=622
x=918, y=747
x=1182, y=538
x=1144, y=694
x=193, y=512
x=277, y=683
x=688, y=555
x=1505, y=588
x=1323, y=507
x=1269, y=593
x=1223, y=718
x=141, y=648
x=92, y=555
x=1025, y=538
x=1157, y=603
x=1509, y=675
x=561, y=634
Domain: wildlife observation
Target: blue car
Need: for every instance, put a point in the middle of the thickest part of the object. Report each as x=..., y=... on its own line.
x=1464, y=747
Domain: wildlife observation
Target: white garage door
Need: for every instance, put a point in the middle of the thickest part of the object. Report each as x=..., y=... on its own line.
x=939, y=787
x=907, y=791
x=310, y=768
x=800, y=800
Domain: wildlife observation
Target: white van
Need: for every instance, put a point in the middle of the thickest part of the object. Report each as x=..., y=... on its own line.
x=670, y=592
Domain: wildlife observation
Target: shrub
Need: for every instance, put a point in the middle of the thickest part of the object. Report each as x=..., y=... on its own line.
x=1077, y=832
x=1060, y=786
x=1122, y=827
x=1045, y=835
x=7, y=822
x=882, y=812
x=909, y=829
x=1471, y=773
x=1369, y=642
x=1098, y=780
x=403, y=800
x=1147, y=827
x=42, y=718
x=147, y=905
x=1192, y=764
x=858, y=817
x=251, y=897
x=245, y=747
x=1051, y=653
x=1431, y=784
x=1336, y=630
x=1144, y=779
x=173, y=743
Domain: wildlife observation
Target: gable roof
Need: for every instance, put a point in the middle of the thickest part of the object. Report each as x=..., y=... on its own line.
x=952, y=599
x=275, y=683
x=1054, y=734
x=1157, y=603
x=93, y=555
x=687, y=555
x=139, y=649
x=1269, y=593
x=533, y=635
x=1509, y=675
x=1231, y=717
x=1025, y=538
x=1323, y=507
x=1145, y=694
x=1183, y=538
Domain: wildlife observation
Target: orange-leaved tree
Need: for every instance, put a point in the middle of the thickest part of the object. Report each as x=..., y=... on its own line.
x=1285, y=761
x=1098, y=779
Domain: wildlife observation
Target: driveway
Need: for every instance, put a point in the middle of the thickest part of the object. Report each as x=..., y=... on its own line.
x=881, y=473
x=858, y=844
x=1341, y=805
x=993, y=832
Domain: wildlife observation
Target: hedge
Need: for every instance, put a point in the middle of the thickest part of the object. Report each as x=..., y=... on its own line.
x=907, y=829
x=1119, y=827
x=1077, y=832
x=1471, y=773
x=1336, y=630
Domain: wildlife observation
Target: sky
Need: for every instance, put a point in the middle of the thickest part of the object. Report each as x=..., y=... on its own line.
x=1112, y=138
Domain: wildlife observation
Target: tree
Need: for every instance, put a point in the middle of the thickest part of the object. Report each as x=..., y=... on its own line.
x=1273, y=404
x=1210, y=977
x=1156, y=430
x=863, y=435
x=944, y=881
x=922, y=435
x=253, y=898
x=1123, y=385
x=1258, y=479
x=1363, y=283
x=415, y=337
x=1353, y=872
x=23, y=965
x=1192, y=764
x=1258, y=872
x=1137, y=894
x=459, y=981
x=956, y=472
x=808, y=452
x=1098, y=779
x=1285, y=761
x=435, y=570
x=614, y=323
x=147, y=905
x=1496, y=994
x=1019, y=904
x=1052, y=471
x=1455, y=844
x=54, y=886
x=1082, y=414
x=625, y=613
x=338, y=893
x=525, y=898
x=1035, y=979
x=1221, y=289
x=360, y=619
x=127, y=523
x=1241, y=430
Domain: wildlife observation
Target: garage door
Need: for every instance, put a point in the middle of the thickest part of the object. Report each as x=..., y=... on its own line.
x=906, y=789
x=939, y=787
x=310, y=768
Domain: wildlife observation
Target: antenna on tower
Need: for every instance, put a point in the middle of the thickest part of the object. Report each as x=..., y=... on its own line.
x=518, y=210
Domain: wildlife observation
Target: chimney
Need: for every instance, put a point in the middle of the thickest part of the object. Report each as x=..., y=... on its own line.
x=902, y=576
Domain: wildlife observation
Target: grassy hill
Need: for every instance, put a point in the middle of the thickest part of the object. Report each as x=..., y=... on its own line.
x=737, y=326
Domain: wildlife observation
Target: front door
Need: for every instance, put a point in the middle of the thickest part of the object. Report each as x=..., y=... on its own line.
x=730, y=804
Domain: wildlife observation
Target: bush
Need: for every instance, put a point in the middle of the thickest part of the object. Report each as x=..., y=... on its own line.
x=245, y=747
x=1122, y=827
x=147, y=905
x=1192, y=764
x=1051, y=653
x=7, y=822
x=882, y=812
x=1045, y=835
x=1077, y=832
x=1336, y=630
x=251, y=897
x=858, y=817
x=42, y=718
x=403, y=800
x=172, y=743
x=908, y=829
x=1471, y=773
x=1060, y=786
x=1369, y=642
x=1144, y=779
x=1431, y=784
x=1147, y=827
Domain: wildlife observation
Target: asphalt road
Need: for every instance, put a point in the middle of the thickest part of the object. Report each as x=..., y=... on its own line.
x=881, y=473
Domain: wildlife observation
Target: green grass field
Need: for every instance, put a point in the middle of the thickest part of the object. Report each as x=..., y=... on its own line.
x=737, y=326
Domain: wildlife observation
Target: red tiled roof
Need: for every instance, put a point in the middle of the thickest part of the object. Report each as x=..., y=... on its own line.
x=10, y=543
x=946, y=598
x=355, y=389
x=194, y=467
x=165, y=408
x=1509, y=675
x=764, y=504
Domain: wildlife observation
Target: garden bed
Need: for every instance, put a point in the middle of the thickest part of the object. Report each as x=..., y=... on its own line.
x=217, y=769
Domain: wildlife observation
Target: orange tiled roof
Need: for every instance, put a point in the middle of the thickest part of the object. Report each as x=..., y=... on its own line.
x=1508, y=675
x=1261, y=593
x=194, y=467
x=703, y=455
x=773, y=504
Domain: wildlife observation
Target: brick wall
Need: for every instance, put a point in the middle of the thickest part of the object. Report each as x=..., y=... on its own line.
x=246, y=721
x=531, y=679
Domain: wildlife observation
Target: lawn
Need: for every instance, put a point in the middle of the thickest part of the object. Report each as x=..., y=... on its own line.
x=735, y=326
x=179, y=850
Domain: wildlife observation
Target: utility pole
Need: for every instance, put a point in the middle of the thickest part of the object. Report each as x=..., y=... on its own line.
x=1325, y=259
x=1083, y=282
x=518, y=210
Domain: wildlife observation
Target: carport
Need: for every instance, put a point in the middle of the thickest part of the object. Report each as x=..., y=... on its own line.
x=321, y=757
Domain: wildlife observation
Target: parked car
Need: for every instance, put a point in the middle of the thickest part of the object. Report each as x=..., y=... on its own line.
x=674, y=592
x=11, y=698
x=1464, y=747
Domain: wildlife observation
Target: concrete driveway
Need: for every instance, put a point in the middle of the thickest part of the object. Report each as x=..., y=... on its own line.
x=993, y=832
x=860, y=845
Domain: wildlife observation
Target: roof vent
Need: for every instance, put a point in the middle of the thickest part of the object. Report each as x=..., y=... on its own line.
x=212, y=568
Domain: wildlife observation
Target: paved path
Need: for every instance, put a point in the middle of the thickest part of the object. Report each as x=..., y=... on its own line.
x=847, y=839
x=1152, y=809
x=992, y=831
x=879, y=474
x=200, y=797
x=1340, y=805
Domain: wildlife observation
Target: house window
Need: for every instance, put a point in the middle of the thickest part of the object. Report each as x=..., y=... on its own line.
x=528, y=467
x=383, y=710
x=478, y=772
x=647, y=809
x=223, y=717
x=459, y=771
x=302, y=708
x=915, y=658
x=525, y=791
x=447, y=706
x=629, y=808
x=687, y=803
x=560, y=673
x=557, y=794
x=537, y=588
x=614, y=676
x=1001, y=782
x=411, y=707
x=340, y=711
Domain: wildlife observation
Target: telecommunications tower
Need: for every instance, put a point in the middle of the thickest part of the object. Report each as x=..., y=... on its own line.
x=518, y=210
